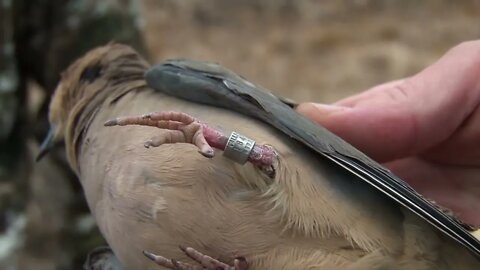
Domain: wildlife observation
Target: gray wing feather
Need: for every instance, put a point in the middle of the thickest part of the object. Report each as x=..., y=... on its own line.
x=214, y=85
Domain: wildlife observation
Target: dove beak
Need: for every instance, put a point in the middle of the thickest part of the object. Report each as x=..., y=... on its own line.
x=47, y=144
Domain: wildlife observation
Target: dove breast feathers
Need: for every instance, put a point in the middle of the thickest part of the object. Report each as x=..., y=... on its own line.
x=311, y=215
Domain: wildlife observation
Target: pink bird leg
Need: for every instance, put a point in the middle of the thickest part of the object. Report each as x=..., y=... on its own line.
x=183, y=128
x=205, y=262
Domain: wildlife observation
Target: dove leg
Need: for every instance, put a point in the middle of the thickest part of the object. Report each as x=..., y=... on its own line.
x=205, y=262
x=183, y=128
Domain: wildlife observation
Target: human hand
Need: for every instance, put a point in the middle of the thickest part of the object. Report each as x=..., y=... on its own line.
x=425, y=128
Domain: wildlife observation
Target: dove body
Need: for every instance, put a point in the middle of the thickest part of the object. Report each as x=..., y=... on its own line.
x=309, y=215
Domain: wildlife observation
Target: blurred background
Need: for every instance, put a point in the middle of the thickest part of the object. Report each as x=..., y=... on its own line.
x=305, y=50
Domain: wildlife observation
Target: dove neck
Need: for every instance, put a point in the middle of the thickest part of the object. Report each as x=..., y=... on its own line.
x=86, y=109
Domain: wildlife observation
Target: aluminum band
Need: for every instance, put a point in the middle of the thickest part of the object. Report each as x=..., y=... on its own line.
x=238, y=148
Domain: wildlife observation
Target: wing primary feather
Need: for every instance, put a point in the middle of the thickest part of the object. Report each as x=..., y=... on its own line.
x=414, y=203
x=215, y=85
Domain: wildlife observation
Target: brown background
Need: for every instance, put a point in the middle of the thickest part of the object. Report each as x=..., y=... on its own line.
x=311, y=50
x=302, y=49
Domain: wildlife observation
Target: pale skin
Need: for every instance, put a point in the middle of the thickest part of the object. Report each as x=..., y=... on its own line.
x=425, y=128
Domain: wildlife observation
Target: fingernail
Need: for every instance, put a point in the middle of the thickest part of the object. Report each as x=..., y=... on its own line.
x=319, y=109
x=329, y=108
x=320, y=113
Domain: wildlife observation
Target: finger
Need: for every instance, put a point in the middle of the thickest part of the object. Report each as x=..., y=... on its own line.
x=451, y=186
x=405, y=117
x=462, y=148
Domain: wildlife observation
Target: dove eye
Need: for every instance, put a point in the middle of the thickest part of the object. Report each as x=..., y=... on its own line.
x=91, y=73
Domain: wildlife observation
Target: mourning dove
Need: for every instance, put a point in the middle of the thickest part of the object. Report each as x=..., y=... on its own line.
x=303, y=199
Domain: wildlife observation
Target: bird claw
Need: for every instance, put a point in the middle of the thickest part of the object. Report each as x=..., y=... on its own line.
x=205, y=262
x=182, y=128
x=148, y=143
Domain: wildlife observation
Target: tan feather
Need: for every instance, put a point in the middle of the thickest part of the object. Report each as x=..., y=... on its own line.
x=307, y=217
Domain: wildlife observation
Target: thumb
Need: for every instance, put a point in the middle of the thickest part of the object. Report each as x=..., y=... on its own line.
x=375, y=122
x=406, y=117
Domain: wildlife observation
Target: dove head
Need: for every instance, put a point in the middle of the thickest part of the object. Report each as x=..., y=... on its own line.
x=88, y=82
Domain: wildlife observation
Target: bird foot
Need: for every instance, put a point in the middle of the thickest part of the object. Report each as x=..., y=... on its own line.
x=183, y=128
x=205, y=262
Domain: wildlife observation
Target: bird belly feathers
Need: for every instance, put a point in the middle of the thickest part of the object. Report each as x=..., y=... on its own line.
x=306, y=217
